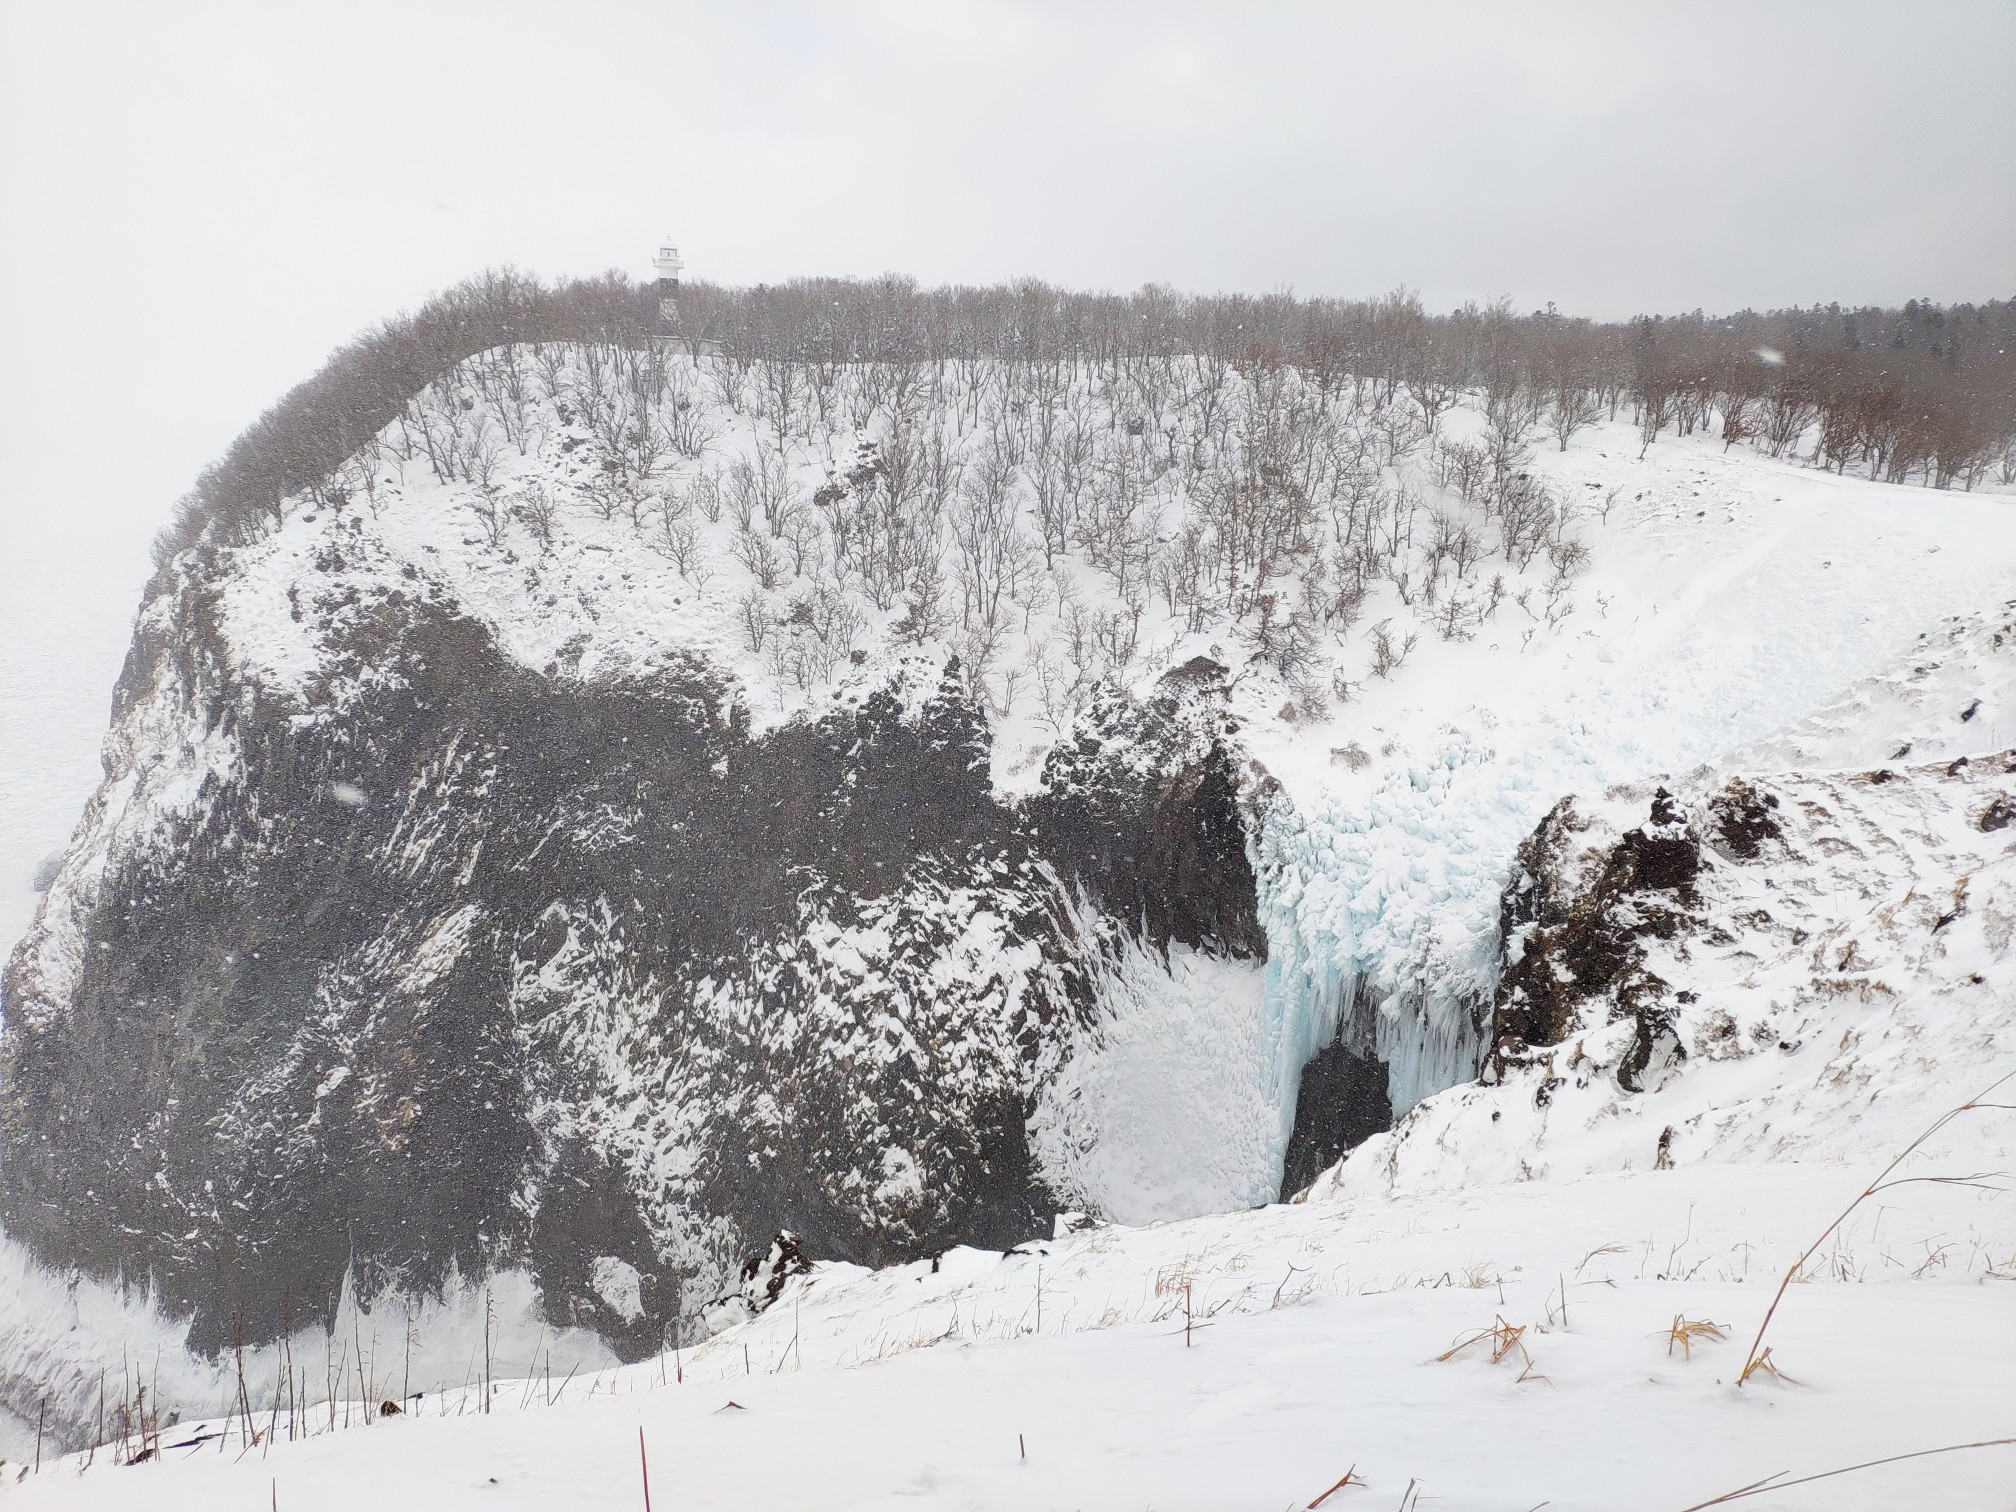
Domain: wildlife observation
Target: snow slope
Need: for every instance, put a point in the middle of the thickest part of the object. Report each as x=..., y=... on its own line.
x=1951, y=692
x=1724, y=591
x=1727, y=594
x=1315, y=1349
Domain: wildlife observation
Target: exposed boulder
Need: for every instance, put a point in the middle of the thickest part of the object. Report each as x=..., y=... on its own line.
x=760, y=1282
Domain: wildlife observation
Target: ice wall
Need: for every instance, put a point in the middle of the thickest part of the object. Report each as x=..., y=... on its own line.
x=1380, y=901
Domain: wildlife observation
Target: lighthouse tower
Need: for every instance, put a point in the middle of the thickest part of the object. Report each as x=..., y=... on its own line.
x=668, y=264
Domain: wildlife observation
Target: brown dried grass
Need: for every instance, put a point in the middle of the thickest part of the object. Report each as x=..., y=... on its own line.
x=1686, y=1332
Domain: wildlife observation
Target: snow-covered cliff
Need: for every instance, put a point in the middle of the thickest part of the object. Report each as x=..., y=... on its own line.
x=645, y=801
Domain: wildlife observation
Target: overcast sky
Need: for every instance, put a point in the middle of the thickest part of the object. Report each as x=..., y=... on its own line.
x=199, y=200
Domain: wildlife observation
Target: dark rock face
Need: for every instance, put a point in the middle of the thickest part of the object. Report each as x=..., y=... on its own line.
x=1341, y=1104
x=1144, y=802
x=1743, y=819
x=479, y=967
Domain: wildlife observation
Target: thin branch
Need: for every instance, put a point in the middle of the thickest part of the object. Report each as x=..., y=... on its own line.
x=1982, y=1180
x=1774, y=1483
x=1980, y=1100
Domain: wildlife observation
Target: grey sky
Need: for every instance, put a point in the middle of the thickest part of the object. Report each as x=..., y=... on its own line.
x=224, y=191
x=199, y=200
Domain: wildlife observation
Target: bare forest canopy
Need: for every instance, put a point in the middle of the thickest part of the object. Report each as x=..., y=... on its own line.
x=1925, y=393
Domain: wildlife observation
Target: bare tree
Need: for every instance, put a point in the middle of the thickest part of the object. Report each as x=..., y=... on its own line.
x=534, y=508
x=753, y=611
x=755, y=550
x=491, y=513
x=992, y=553
x=675, y=535
x=708, y=495
x=1388, y=654
x=1655, y=410
x=683, y=418
x=1570, y=409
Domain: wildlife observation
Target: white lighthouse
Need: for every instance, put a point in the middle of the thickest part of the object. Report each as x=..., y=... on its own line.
x=668, y=265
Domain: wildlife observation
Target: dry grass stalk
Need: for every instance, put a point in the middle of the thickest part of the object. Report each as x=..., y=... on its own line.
x=1503, y=1338
x=1779, y=1483
x=1754, y=1361
x=1178, y=1282
x=1563, y=1314
x=1601, y=1249
x=1350, y=1478
x=1174, y=1280
x=1686, y=1332
x=1763, y=1365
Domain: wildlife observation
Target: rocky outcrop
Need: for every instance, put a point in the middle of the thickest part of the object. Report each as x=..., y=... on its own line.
x=1768, y=967
x=1340, y=1104
x=1585, y=912
x=1144, y=800
x=438, y=963
x=1576, y=922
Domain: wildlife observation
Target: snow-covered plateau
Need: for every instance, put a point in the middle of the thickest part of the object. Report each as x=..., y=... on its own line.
x=1249, y=934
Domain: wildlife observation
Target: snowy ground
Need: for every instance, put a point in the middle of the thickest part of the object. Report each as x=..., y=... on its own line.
x=1316, y=1350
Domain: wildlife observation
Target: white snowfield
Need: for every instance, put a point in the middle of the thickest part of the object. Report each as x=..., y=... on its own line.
x=1736, y=614
x=1314, y=1347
